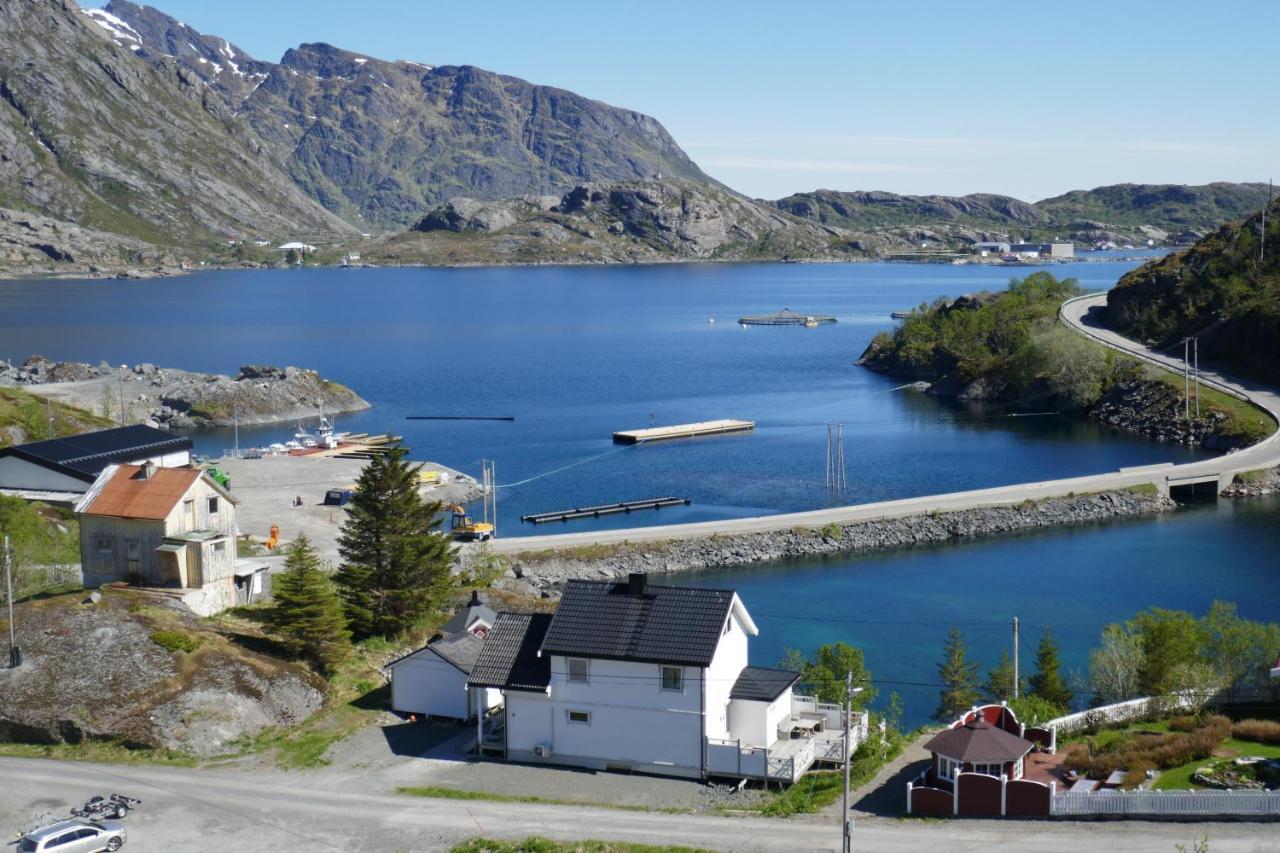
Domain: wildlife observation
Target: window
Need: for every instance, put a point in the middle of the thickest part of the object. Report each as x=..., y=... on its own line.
x=133, y=556
x=213, y=505
x=189, y=513
x=989, y=769
x=219, y=548
x=728, y=626
x=1017, y=770
x=947, y=768
x=673, y=678
x=105, y=546
x=579, y=718
x=578, y=670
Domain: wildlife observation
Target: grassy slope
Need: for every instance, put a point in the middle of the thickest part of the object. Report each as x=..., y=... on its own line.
x=25, y=417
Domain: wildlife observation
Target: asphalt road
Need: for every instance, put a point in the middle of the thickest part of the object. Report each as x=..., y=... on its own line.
x=1074, y=313
x=189, y=809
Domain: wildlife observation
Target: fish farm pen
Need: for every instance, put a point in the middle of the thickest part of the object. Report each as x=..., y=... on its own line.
x=786, y=317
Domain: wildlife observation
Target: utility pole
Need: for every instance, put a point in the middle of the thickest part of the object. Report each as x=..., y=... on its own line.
x=120, y=384
x=1262, y=243
x=15, y=654
x=836, y=480
x=847, y=824
x=1186, y=377
x=1016, y=682
x=48, y=412
x=1196, y=344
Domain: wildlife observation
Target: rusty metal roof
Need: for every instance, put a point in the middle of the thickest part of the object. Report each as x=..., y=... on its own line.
x=128, y=495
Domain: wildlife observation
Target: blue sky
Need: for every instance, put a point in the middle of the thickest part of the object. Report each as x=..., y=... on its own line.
x=1028, y=99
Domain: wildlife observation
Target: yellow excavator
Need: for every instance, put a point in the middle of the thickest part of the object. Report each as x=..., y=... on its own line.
x=465, y=528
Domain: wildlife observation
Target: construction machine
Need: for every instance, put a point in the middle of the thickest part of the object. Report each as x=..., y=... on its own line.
x=465, y=528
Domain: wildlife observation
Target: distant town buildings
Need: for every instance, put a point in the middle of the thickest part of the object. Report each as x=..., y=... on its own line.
x=1024, y=251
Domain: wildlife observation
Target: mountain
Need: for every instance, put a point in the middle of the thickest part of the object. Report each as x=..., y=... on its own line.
x=94, y=134
x=1217, y=289
x=381, y=142
x=618, y=222
x=1123, y=213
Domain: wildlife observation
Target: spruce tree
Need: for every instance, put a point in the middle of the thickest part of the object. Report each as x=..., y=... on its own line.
x=395, y=561
x=1047, y=683
x=307, y=615
x=960, y=678
x=999, y=684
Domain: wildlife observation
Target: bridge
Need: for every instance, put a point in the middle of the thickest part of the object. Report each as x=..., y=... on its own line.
x=1077, y=314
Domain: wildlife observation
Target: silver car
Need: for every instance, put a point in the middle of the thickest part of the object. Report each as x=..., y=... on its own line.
x=74, y=836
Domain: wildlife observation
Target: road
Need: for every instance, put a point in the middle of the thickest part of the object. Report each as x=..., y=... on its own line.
x=188, y=809
x=1074, y=313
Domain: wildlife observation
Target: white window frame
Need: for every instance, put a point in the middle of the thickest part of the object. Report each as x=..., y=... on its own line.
x=582, y=678
x=212, y=504
x=569, y=720
x=986, y=768
x=948, y=768
x=662, y=679
x=1017, y=769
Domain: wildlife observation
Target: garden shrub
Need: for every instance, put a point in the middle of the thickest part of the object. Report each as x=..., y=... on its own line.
x=1261, y=731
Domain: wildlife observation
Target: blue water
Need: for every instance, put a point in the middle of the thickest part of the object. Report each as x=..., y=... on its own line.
x=898, y=606
x=577, y=353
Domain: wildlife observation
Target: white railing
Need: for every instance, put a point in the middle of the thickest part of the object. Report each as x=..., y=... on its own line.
x=731, y=758
x=1166, y=803
x=792, y=768
x=1119, y=712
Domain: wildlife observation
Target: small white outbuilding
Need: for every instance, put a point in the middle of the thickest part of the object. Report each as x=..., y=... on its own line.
x=433, y=680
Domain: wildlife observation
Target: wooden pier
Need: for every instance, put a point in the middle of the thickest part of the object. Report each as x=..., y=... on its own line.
x=603, y=509
x=721, y=427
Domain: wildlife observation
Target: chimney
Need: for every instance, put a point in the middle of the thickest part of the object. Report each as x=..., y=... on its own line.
x=635, y=583
x=148, y=470
x=475, y=599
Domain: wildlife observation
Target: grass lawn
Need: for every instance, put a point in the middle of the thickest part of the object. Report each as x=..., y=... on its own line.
x=1179, y=778
x=543, y=845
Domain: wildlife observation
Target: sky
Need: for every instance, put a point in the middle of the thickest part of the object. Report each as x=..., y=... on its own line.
x=772, y=98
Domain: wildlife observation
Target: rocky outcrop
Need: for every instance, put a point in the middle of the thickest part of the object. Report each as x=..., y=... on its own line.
x=93, y=671
x=542, y=571
x=180, y=399
x=620, y=222
x=31, y=244
x=1155, y=409
x=1254, y=484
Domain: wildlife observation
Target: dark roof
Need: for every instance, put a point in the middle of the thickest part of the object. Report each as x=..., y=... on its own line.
x=509, y=655
x=979, y=741
x=84, y=456
x=661, y=624
x=461, y=649
x=762, y=684
x=475, y=609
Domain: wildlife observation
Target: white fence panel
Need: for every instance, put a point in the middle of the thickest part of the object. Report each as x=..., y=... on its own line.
x=1257, y=803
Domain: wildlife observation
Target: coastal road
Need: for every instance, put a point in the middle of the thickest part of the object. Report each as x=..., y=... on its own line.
x=1078, y=315
x=189, y=809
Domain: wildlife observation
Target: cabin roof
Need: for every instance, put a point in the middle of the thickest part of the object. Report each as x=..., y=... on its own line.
x=509, y=656
x=122, y=491
x=762, y=684
x=979, y=741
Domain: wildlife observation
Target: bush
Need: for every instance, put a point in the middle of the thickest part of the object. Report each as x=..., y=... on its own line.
x=1183, y=724
x=1260, y=731
x=177, y=641
x=1152, y=751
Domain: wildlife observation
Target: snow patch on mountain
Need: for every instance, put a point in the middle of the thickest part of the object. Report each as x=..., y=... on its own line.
x=124, y=35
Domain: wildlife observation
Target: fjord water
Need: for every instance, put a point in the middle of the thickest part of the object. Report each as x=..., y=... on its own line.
x=577, y=353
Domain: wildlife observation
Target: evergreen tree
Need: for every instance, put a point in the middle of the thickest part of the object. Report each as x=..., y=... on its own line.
x=960, y=678
x=395, y=561
x=307, y=615
x=824, y=675
x=999, y=686
x=1048, y=683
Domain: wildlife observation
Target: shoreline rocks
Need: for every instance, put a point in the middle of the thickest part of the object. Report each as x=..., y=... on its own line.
x=180, y=399
x=538, y=573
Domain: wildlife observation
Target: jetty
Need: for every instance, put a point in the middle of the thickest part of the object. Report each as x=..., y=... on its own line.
x=720, y=427
x=786, y=317
x=603, y=509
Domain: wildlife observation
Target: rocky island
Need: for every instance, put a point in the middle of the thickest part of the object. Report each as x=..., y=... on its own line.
x=181, y=399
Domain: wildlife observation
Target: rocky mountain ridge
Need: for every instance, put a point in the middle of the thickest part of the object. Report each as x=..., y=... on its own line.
x=1119, y=213
x=379, y=142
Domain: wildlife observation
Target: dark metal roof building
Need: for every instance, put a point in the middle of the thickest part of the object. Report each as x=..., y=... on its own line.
x=762, y=684
x=82, y=457
x=509, y=655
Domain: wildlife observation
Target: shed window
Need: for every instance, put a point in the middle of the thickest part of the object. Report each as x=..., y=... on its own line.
x=673, y=678
x=989, y=769
x=213, y=505
x=133, y=555
x=105, y=545
x=579, y=718
x=579, y=670
x=947, y=768
x=189, y=513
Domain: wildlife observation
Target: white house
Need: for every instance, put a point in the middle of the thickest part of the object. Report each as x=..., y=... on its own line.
x=432, y=681
x=165, y=527
x=633, y=676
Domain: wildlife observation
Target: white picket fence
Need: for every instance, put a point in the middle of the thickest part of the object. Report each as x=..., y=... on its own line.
x=1120, y=712
x=1256, y=803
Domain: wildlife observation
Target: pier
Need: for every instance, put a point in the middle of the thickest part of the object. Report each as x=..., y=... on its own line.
x=720, y=427
x=603, y=509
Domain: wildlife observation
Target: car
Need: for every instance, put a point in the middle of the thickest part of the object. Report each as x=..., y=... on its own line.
x=74, y=836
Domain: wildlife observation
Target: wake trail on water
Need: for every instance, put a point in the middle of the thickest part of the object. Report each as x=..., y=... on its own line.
x=613, y=452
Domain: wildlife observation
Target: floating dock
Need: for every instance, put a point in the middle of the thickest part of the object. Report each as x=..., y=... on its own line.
x=603, y=509
x=786, y=317
x=721, y=427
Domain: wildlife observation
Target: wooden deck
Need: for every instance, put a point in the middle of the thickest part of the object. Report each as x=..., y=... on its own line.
x=720, y=427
